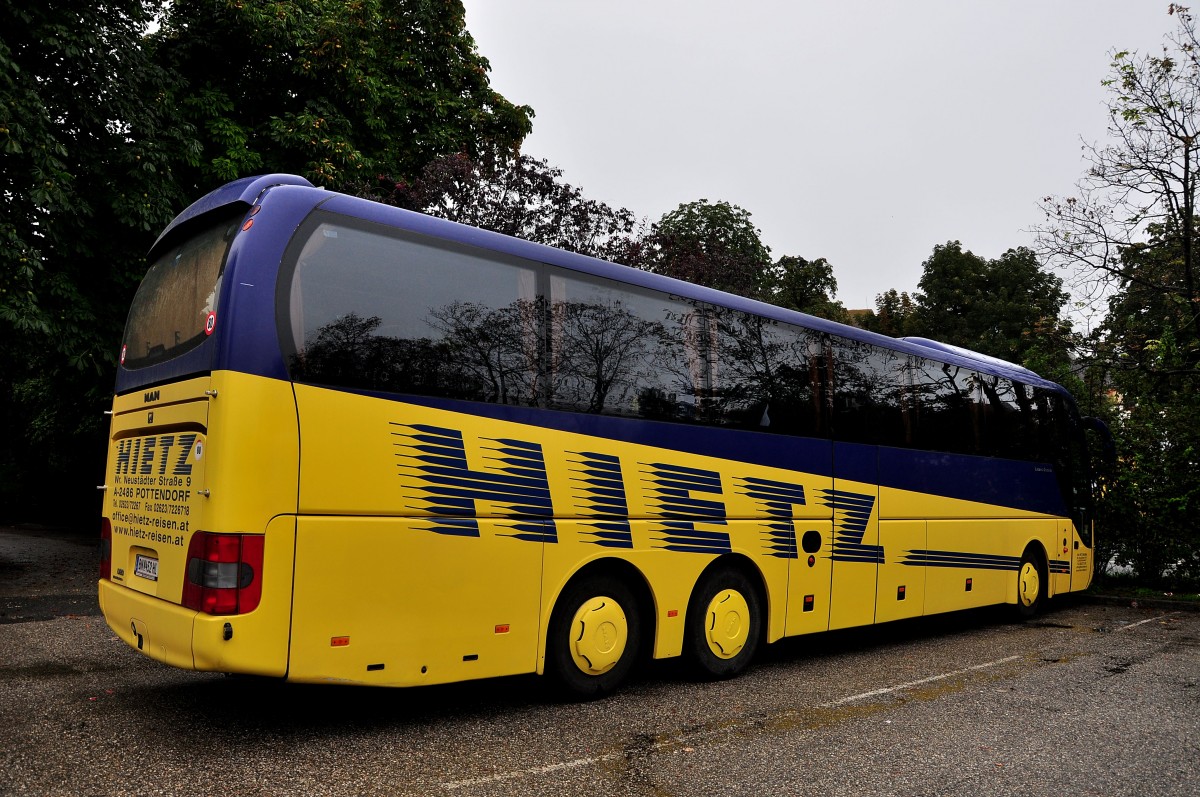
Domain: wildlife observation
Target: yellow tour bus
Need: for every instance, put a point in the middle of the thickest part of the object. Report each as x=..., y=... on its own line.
x=355, y=444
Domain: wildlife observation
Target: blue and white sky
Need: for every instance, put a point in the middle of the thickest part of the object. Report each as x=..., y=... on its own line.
x=862, y=132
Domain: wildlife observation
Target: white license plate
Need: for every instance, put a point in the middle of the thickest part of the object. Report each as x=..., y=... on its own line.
x=146, y=567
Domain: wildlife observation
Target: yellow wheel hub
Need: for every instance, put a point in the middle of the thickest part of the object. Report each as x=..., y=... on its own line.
x=727, y=623
x=599, y=633
x=1029, y=585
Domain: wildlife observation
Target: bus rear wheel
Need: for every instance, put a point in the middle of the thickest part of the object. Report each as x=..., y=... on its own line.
x=594, y=636
x=1031, y=584
x=724, y=624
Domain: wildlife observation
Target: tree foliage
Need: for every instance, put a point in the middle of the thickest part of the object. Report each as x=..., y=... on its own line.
x=1128, y=237
x=713, y=244
x=87, y=151
x=336, y=91
x=1144, y=174
x=808, y=286
x=106, y=134
x=1008, y=307
x=893, y=315
x=515, y=195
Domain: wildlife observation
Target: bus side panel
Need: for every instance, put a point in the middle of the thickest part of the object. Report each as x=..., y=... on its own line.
x=255, y=643
x=856, y=553
x=974, y=562
x=391, y=601
x=253, y=452
x=810, y=579
x=1059, y=556
x=901, y=585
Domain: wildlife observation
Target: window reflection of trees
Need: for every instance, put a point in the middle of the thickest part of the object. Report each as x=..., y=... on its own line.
x=874, y=403
x=603, y=356
x=765, y=374
x=692, y=363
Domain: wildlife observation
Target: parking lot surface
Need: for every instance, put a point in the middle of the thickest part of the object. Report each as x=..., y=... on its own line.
x=1086, y=699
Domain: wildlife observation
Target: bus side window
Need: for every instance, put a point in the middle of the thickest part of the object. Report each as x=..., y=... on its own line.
x=949, y=399
x=762, y=374
x=870, y=391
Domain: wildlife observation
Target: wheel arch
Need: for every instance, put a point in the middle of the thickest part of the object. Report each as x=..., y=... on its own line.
x=1035, y=550
x=608, y=567
x=745, y=565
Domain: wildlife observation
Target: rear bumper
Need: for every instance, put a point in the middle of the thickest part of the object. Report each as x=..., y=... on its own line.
x=161, y=630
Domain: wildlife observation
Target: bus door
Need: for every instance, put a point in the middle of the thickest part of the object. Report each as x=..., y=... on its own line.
x=869, y=387
x=855, y=548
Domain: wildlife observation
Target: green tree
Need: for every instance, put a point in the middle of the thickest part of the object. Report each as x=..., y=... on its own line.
x=808, y=286
x=337, y=91
x=87, y=149
x=515, y=195
x=1008, y=307
x=893, y=315
x=1145, y=357
x=1128, y=239
x=709, y=243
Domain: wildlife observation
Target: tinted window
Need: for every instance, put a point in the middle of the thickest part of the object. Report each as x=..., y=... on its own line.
x=624, y=351
x=370, y=307
x=950, y=407
x=871, y=403
x=171, y=311
x=767, y=375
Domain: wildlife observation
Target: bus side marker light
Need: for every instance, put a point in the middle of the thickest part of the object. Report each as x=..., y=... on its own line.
x=339, y=641
x=502, y=629
x=968, y=585
x=672, y=612
x=900, y=592
x=249, y=223
x=808, y=602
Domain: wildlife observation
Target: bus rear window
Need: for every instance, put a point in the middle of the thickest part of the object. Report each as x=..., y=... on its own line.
x=175, y=306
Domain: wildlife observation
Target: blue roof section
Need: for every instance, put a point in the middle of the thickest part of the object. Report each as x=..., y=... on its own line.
x=244, y=191
x=261, y=252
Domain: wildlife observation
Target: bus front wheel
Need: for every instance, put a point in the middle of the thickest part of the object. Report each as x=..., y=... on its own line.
x=724, y=624
x=594, y=636
x=1031, y=584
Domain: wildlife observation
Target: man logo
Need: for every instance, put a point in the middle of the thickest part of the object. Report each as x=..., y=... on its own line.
x=151, y=396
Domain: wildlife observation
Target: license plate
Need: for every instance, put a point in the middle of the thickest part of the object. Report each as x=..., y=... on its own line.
x=146, y=567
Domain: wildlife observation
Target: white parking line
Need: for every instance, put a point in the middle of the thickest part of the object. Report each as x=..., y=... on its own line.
x=694, y=737
x=919, y=682
x=1143, y=622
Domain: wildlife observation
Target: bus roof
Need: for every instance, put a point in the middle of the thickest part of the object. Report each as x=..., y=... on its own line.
x=248, y=191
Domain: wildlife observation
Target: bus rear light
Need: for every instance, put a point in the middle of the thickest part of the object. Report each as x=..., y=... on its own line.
x=224, y=573
x=106, y=549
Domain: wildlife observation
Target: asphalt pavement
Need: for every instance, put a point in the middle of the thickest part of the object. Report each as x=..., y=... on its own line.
x=1086, y=699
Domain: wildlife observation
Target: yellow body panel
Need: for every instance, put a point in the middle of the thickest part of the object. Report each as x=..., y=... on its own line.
x=217, y=454
x=158, y=628
x=408, y=545
x=901, y=590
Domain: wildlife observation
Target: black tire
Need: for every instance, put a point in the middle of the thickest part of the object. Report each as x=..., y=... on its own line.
x=594, y=636
x=724, y=624
x=1032, y=583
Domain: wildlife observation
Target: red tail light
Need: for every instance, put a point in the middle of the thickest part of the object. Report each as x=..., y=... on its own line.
x=224, y=573
x=105, y=548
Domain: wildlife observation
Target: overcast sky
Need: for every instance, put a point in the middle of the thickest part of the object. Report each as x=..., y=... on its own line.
x=863, y=132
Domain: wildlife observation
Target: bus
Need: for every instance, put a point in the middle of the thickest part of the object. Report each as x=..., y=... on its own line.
x=356, y=444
